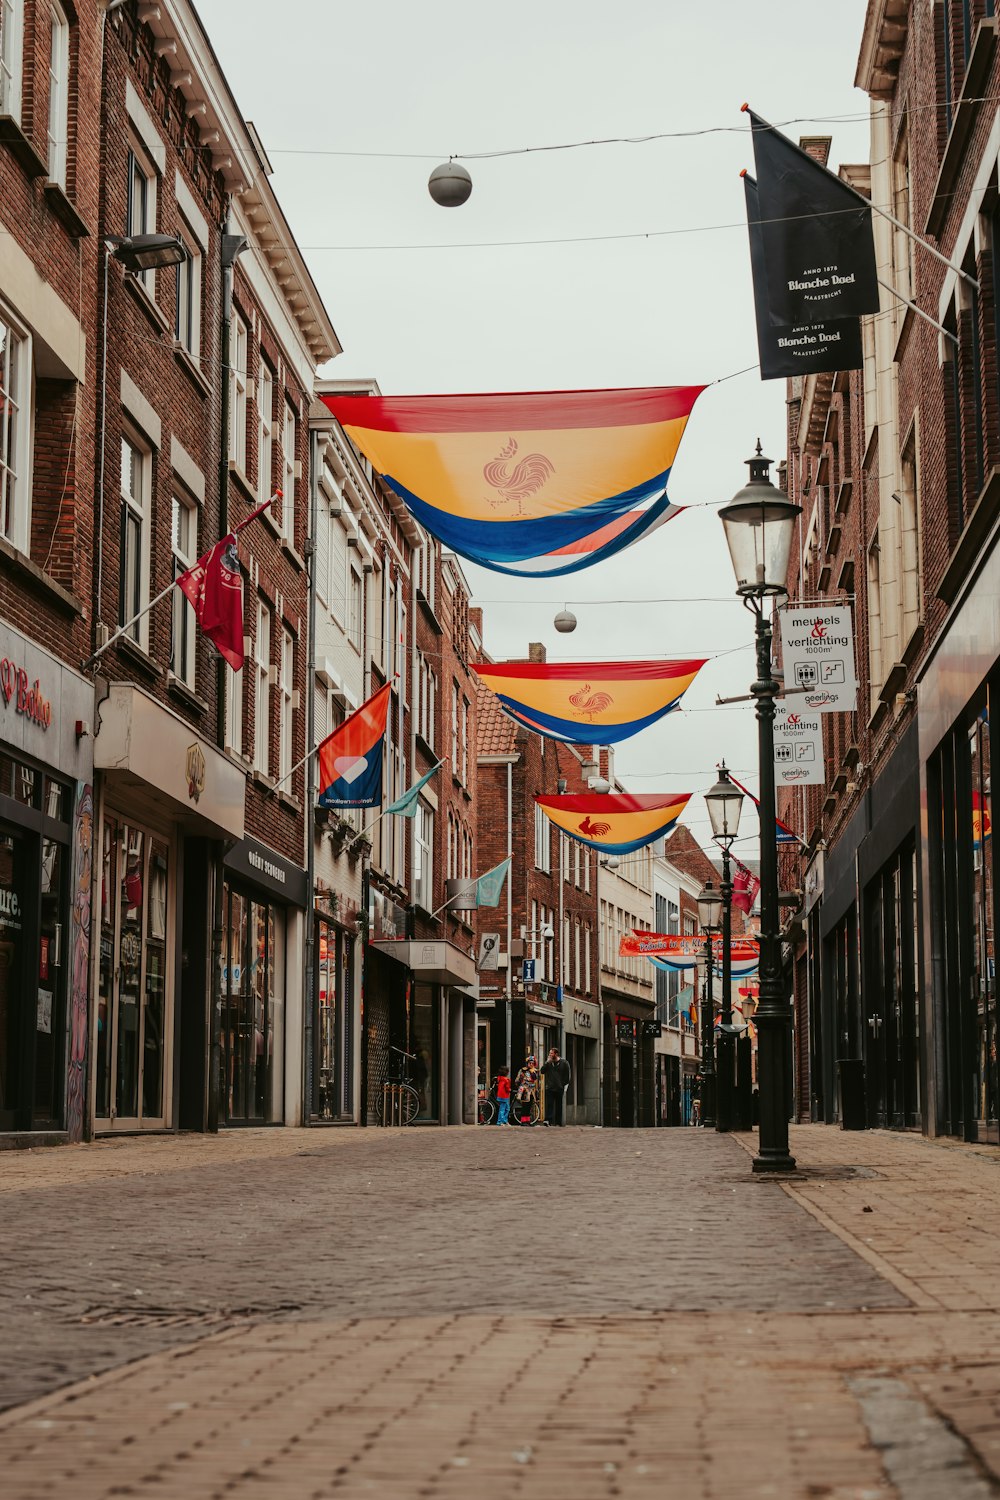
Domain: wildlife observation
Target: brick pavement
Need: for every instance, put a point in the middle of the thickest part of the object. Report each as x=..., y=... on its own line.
x=403, y=1323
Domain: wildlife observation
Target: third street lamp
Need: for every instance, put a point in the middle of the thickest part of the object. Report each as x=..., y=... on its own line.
x=709, y=907
x=759, y=523
x=724, y=803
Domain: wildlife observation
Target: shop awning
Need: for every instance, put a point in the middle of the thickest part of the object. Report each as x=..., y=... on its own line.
x=142, y=745
x=435, y=962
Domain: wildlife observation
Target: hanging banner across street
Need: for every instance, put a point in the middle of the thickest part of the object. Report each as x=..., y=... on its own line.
x=819, y=250
x=817, y=652
x=798, y=745
x=680, y=946
x=788, y=350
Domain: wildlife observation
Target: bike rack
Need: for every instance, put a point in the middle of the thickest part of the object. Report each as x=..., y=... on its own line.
x=392, y=1104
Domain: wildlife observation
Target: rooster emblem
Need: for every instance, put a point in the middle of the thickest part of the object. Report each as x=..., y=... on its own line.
x=593, y=830
x=590, y=704
x=516, y=482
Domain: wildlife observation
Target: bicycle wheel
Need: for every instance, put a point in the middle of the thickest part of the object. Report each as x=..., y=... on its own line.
x=409, y=1104
x=487, y=1111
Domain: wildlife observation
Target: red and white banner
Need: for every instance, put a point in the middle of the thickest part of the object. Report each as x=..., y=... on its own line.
x=746, y=886
x=684, y=945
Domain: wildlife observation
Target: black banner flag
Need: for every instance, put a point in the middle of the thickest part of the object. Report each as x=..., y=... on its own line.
x=805, y=349
x=819, y=251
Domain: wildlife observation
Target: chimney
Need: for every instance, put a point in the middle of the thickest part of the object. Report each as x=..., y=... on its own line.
x=536, y=651
x=816, y=146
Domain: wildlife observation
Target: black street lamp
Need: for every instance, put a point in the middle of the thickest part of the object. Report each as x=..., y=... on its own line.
x=724, y=803
x=759, y=523
x=709, y=908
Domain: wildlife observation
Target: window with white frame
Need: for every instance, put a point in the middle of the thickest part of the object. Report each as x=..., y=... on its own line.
x=576, y=954
x=262, y=714
x=286, y=679
x=586, y=870
x=909, y=504
x=402, y=653
x=265, y=425
x=187, y=324
x=354, y=611
x=58, y=128
x=184, y=538
x=543, y=842
x=234, y=711
x=875, y=618
x=136, y=471
x=238, y=347
x=586, y=958
x=423, y=856
x=288, y=474
x=11, y=56
x=338, y=569
x=455, y=762
x=15, y=434
x=141, y=204
x=465, y=742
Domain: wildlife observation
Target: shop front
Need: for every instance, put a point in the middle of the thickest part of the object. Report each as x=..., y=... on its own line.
x=957, y=698
x=336, y=1032
x=629, y=1073
x=46, y=853
x=264, y=900
x=582, y=1050
x=439, y=1028
x=166, y=799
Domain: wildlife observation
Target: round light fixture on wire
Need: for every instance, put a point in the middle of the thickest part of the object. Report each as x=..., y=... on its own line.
x=565, y=622
x=450, y=185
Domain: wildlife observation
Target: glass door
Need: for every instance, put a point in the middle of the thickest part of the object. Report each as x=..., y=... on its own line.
x=133, y=1010
x=253, y=1011
x=14, y=979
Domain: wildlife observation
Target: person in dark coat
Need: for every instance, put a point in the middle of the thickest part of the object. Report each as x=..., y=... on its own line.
x=556, y=1073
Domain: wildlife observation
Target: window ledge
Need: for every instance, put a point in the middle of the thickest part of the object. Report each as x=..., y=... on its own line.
x=894, y=682
x=178, y=688
x=243, y=483
x=293, y=556
x=17, y=143
x=138, y=654
x=24, y=565
x=292, y=803
x=267, y=516
x=137, y=291
x=259, y=778
x=192, y=368
x=426, y=746
x=238, y=758
x=975, y=532
x=428, y=610
x=65, y=211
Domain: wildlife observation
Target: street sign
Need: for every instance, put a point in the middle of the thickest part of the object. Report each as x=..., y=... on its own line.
x=817, y=651
x=798, y=745
x=489, y=950
x=528, y=970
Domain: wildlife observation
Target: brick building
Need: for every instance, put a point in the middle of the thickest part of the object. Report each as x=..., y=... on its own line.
x=50, y=65
x=895, y=468
x=546, y=991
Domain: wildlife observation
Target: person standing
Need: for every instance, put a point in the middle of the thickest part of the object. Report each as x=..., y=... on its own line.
x=556, y=1072
x=525, y=1090
x=503, y=1097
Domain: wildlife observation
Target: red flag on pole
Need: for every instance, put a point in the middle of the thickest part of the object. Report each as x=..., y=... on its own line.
x=746, y=886
x=214, y=586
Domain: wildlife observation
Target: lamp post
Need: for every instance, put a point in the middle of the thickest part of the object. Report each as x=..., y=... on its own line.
x=709, y=907
x=759, y=524
x=724, y=803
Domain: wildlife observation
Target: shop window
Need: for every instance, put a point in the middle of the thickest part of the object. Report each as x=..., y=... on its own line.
x=238, y=371
x=253, y=1018
x=185, y=553
x=262, y=715
x=136, y=484
x=288, y=434
x=265, y=425
x=15, y=433
x=11, y=57
x=58, y=127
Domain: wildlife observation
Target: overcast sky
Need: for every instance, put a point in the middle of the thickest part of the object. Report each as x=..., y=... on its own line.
x=424, y=82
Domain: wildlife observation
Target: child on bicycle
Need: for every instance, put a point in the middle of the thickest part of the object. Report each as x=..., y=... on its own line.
x=503, y=1097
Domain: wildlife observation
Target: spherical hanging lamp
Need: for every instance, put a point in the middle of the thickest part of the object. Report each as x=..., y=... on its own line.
x=450, y=185
x=565, y=622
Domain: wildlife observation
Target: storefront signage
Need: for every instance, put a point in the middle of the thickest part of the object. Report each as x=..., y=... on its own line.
x=581, y=1018
x=27, y=698
x=817, y=650
x=798, y=745
x=386, y=920
x=625, y=1029
x=10, y=910
x=261, y=865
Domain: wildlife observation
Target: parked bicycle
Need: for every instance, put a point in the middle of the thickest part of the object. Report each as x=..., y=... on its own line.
x=487, y=1110
x=400, y=1100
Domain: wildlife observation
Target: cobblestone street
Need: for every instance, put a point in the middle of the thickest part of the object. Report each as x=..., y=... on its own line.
x=448, y=1313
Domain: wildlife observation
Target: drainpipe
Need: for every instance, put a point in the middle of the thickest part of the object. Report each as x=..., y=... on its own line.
x=310, y=934
x=510, y=882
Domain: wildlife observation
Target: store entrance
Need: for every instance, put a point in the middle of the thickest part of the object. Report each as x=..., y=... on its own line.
x=253, y=1010
x=134, y=1009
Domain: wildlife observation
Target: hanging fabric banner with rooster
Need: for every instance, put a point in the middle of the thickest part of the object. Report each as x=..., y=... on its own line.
x=616, y=822
x=588, y=703
x=521, y=482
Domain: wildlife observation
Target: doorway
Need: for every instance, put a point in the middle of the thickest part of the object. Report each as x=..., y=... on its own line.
x=134, y=1009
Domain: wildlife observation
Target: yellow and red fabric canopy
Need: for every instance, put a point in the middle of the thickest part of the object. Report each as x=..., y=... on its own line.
x=521, y=482
x=617, y=822
x=588, y=703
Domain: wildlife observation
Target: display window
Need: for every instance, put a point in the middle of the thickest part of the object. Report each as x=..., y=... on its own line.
x=253, y=1009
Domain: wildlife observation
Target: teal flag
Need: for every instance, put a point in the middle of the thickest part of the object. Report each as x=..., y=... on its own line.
x=406, y=805
x=489, y=886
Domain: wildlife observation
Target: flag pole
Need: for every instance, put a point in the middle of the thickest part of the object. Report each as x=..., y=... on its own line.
x=384, y=814
x=124, y=629
x=473, y=880
x=300, y=763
